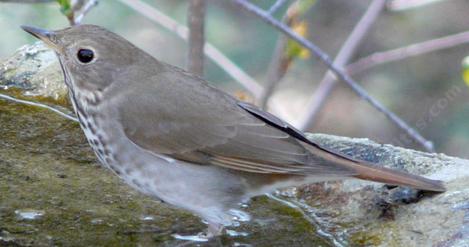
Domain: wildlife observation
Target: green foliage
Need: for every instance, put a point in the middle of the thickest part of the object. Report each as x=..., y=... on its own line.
x=293, y=49
x=65, y=6
x=465, y=70
x=304, y=6
x=293, y=19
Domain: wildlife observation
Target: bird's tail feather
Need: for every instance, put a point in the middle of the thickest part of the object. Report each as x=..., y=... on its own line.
x=367, y=171
x=388, y=176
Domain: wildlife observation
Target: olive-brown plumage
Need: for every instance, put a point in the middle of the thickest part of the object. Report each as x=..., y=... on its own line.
x=171, y=135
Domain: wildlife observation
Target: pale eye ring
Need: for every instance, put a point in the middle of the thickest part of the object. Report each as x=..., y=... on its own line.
x=85, y=55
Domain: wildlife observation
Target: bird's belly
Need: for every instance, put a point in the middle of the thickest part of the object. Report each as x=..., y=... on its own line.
x=205, y=190
x=156, y=175
x=208, y=191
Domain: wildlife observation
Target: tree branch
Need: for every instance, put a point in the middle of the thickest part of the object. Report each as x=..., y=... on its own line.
x=280, y=61
x=195, y=60
x=349, y=47
x=251, y=85
x=275, y=72
x=27, y=1
x=276, y=6
x=400, y=5
x=336, y=70
x=412, y=50
x=79, y=11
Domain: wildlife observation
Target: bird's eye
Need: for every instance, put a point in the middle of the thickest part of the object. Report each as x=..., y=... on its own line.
x=85, y=55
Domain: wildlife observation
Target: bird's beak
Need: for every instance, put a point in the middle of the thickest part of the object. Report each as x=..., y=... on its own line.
x=48, y=37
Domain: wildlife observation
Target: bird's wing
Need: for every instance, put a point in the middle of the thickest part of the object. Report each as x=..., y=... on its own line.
x=187, y=119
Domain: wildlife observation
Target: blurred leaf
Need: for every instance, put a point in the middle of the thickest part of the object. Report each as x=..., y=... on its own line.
x=465, y=70
x=243, y=96
x=293, y=19
x=298, y=9
x=304, y=6
x=293, y=49
x=65, y=6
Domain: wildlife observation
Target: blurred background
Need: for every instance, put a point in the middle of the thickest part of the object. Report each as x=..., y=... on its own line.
x=427, y=91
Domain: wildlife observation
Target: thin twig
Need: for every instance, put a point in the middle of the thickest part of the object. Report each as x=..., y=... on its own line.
x=83, y=11
x=399, y=5
x=279, y=62
x=78, y=10
x=196, y=16
x=50, y=108
x=27, y=1
x=251, y=85
x=349, y=47
x=276, y=6
x=408, y=51
x=275, y=72
x=336, y=70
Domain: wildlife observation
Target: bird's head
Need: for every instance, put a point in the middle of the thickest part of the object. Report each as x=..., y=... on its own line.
x=91, y=56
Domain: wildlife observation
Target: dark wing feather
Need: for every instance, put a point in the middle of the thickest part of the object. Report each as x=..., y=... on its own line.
x=187, y=119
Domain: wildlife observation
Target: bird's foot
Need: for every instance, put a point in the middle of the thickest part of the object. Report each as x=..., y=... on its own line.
x=402, y=195
x=213, y=230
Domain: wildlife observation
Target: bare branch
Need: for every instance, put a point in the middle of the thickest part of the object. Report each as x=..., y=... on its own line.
x=336, y=70
x=279, y=62
x=251, y=85
x=27, y=1
x=195, y=60
x=276, y=71
x=349, y=47
x=399, y=5
x=78, y=10
x=277, y=5
x=81, y=11
x=50, y=108
x=401, y=53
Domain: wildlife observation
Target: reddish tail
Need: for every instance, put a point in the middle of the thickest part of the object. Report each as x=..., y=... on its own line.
x=388, y=176
x=379, y=174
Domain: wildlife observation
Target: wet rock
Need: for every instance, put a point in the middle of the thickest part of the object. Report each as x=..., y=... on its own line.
x=367, y=213
x=35, y=70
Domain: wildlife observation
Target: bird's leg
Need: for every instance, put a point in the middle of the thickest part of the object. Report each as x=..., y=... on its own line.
x=403, y=195
x=213, y=230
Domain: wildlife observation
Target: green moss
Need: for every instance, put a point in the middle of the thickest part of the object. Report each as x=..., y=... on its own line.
x=375, y=234
x=365, y=239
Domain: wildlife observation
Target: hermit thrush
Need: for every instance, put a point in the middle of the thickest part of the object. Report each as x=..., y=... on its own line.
x=170, y=135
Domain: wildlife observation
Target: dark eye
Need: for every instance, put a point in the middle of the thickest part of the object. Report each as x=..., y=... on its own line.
x=85, y=55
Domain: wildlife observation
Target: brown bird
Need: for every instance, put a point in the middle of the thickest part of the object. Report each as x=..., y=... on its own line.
x=171, y=135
